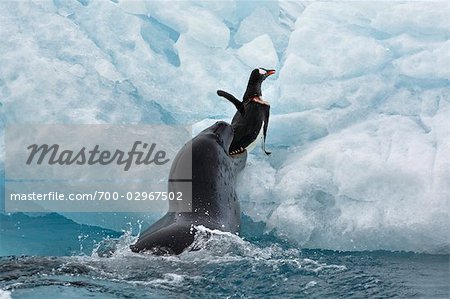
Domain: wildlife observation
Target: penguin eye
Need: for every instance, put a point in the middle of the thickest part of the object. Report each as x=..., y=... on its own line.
x=262, y=71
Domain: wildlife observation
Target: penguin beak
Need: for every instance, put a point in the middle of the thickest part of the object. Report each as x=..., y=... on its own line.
x=270, y=72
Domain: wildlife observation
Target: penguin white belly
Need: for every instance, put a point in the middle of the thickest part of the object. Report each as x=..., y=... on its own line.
x=252, y=145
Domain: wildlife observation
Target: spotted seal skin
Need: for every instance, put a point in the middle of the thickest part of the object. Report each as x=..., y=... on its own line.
x=215, y=204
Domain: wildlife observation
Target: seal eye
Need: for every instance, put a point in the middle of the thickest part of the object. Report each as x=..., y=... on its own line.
x=262, y=71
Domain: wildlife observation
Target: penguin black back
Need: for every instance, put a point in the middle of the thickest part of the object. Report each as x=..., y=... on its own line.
x=249, y=126
x=252, y=118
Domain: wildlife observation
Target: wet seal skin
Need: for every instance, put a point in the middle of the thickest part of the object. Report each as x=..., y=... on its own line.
x=215, y=204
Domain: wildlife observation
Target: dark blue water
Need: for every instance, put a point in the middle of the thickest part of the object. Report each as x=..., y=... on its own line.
x=258, y=266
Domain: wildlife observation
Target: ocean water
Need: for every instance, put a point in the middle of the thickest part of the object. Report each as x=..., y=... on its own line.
x=229, y=268
x=255, y=265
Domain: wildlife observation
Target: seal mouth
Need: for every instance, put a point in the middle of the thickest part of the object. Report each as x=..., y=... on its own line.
x=238, y=151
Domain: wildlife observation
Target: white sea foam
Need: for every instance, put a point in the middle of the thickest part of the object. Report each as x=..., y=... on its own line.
x=5, y=294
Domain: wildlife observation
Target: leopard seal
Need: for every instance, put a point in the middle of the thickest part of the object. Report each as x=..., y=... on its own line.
x=214, y=205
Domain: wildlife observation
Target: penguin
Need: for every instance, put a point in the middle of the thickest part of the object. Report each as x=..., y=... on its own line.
x=251, y=119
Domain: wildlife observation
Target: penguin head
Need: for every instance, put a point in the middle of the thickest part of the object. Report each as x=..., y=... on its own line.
x=254, y=82
x=264, y=73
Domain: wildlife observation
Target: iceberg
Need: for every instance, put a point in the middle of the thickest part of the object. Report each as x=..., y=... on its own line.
x=359, y=130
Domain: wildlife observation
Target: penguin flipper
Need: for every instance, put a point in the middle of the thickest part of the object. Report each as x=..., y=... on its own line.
x=232, y=99
x=266, y=124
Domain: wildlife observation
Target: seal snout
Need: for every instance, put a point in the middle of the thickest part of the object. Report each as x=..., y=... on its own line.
x=224, y=134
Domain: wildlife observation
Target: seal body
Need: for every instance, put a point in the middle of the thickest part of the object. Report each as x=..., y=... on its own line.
x=214, y=205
